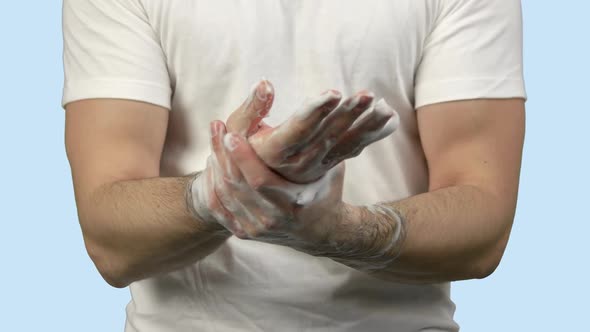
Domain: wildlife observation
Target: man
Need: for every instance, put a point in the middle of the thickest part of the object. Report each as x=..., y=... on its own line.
x=253, y=243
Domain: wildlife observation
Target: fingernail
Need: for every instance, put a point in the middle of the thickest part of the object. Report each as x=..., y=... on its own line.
x=326, y=96
x=365, y=100
x=333, y=93
x=362, y=98
x=263, y=90
x=382, y=108
x=311, y=104
x=365, y=92
x=231, y=141
x=351, y=103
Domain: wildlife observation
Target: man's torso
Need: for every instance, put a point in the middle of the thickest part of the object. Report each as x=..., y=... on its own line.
x=215, y=50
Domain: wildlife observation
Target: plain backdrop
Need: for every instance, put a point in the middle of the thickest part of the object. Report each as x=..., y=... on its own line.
x=48, y=283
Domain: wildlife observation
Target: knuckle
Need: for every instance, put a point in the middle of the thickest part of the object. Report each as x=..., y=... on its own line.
x=300, y=168
x=240, y=234
x=254, y=233
x=328, y=161
x=332, y=136
x=259, y=182
x=298, y=128
x=246, y=231
x=326, y=109
x=274, y=160
x=268, y=223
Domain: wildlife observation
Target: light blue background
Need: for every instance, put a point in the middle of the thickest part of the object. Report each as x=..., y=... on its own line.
x=47, y=281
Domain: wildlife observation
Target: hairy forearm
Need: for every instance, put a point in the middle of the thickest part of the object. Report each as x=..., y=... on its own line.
x=453, y=233
x=138, y=228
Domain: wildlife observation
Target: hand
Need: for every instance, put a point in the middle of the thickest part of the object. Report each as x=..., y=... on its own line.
x=247, y=121
x=318, y=136
x=321, y=115
x=259, y=204
x=312, y=218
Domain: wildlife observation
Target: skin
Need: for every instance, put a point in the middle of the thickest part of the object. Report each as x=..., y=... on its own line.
x=315, y=138
x=260, y=205
x=251, y=215
x=457, y=230
x=114, y=148
x=311, y=141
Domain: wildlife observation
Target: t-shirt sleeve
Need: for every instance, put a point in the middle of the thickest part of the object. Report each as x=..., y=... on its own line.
x=473, y=51
x=111, y=51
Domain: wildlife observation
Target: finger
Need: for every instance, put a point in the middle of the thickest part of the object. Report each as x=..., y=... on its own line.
x=338, y=122
x=241, y=223
x=250, y=209
x=246, y=119
x=258, y=176
x=282, y=197
x=315, y=109
x=306, y=120
x=252, y=220
x=263, y=126
x=309, y=158
x=223, y=204
x=228, y=170
x=215, y=207
x=378, y=124
x=230, y=189
x=253, y=216
x=255, y=172
x=233, y=185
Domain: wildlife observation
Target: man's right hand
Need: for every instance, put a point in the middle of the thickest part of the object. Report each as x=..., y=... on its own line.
x=319, y=135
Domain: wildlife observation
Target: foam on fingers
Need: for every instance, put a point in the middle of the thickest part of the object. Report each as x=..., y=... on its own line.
x=312, y=104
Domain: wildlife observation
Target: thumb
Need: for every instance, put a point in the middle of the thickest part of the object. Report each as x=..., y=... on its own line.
x=246, y=119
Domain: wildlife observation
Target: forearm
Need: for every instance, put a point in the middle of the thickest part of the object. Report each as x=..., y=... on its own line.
x=139, y=228
x=449, y=234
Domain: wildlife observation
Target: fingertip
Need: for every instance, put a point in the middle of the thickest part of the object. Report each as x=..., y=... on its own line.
x=269, y=86
x=361, y=99
x=390, y=127
x=395, y=121
x=366, y=92
x=333, y=93
x=231, y=141
x=218, y=130
x=365, y=101
x=383, y=109
x=264, y=90
x=221, y=128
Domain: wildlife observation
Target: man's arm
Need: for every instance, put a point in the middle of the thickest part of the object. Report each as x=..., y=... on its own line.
x=135, y=224
x=460, y=227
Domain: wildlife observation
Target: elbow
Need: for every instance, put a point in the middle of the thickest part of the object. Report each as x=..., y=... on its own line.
x=110, y=267
x=488, y=262
x=485, y=268
x=115, y=281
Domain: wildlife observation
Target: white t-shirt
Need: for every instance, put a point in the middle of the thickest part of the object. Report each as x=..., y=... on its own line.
x=199, y=58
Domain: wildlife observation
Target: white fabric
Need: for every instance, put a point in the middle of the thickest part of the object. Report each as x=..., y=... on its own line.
x=199, y=58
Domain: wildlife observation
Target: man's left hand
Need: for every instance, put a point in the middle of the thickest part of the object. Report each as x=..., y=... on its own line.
x=266, y=207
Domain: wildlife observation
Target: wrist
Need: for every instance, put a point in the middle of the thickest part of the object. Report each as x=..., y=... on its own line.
x=393, y=228
x=348, y=220
x=196, y=198
x=371, y=235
